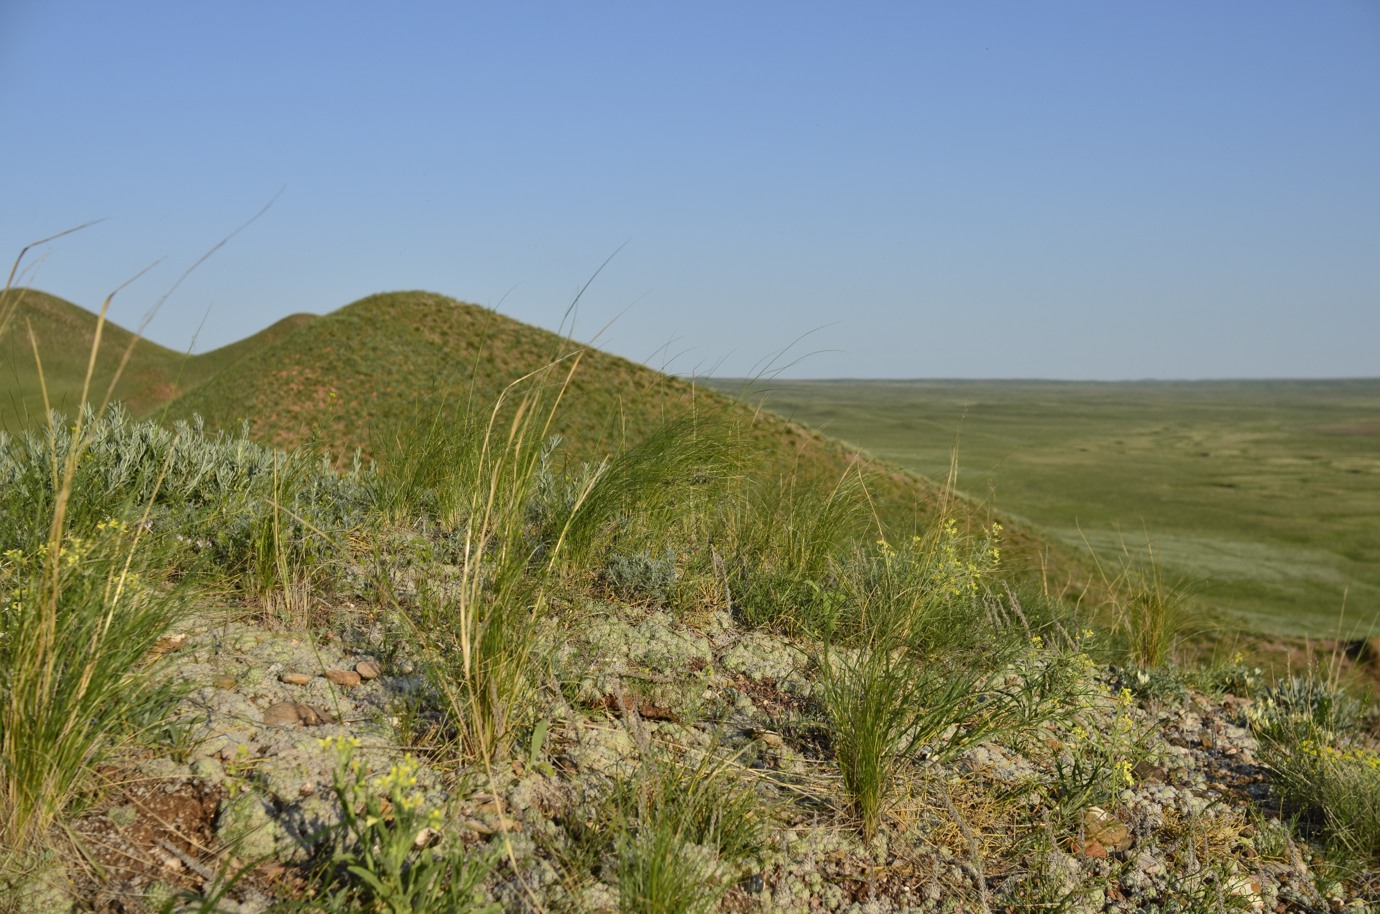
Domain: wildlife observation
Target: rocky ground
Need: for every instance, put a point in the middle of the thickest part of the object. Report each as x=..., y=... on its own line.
x=243, y=781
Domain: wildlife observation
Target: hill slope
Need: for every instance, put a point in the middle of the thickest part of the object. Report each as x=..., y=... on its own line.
x=64, y=333
x=386, y=358
x=342, y=378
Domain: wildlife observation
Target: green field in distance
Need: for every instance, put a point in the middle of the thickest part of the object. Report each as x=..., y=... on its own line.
x=1264, y=496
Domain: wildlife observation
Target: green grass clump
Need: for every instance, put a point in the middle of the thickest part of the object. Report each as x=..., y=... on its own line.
x=669, y=477
x=912, y=680
x=925, y=593
x=683, y=832
x=1150, y=612
x=478, y=627
x=518, y=525
x=787, y=535
x=78, y=619
x=1309, y=731
x=675, y=833
x=1338, y=787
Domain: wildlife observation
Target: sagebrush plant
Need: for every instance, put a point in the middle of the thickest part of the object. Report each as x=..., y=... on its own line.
x=640, y=577
x=1308, y=706
x=219, y=504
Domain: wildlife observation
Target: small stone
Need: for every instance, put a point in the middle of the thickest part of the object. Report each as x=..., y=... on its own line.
x=496, y=824
x=1149, y=773
x=168, y=643
x=1090, y=849
x=769, y=738
x=346, y=678
x=294, y=678
x=487, y=803
x=1101, y=827
x=226, y=682
x=293, y=714
x=367, y=669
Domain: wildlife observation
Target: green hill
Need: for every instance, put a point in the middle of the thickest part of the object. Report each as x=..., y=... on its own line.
x=340, y=379
x=63, y=334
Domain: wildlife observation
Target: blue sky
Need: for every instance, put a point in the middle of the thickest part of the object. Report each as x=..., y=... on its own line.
x=1062, y=189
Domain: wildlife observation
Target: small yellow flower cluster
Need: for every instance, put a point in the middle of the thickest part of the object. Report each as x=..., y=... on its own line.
x=399, y=784
x=339, y=743
x=1352, y=755
x=1123, y=770
x=955, y=574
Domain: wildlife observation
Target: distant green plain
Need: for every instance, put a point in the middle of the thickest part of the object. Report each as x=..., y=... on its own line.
x=1263, y=496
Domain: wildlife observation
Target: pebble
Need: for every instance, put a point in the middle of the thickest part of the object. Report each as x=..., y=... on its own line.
x=293, y=714
x=770, y=738
x=346, y=678
x=367, y=669
x=1102, y=828
x=294, y=678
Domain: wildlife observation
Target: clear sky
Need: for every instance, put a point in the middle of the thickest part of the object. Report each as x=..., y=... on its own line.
x=959, y=189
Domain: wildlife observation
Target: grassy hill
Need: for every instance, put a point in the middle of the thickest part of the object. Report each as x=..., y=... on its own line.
x=345, y=380
x=63, y=334
x=389, y=358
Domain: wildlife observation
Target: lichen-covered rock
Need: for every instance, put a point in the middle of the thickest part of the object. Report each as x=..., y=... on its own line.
x=247, y=824
x=603, y=750
x=758, y=655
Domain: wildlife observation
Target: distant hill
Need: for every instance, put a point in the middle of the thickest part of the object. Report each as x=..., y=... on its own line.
x=63, y=333
x=337, y=380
